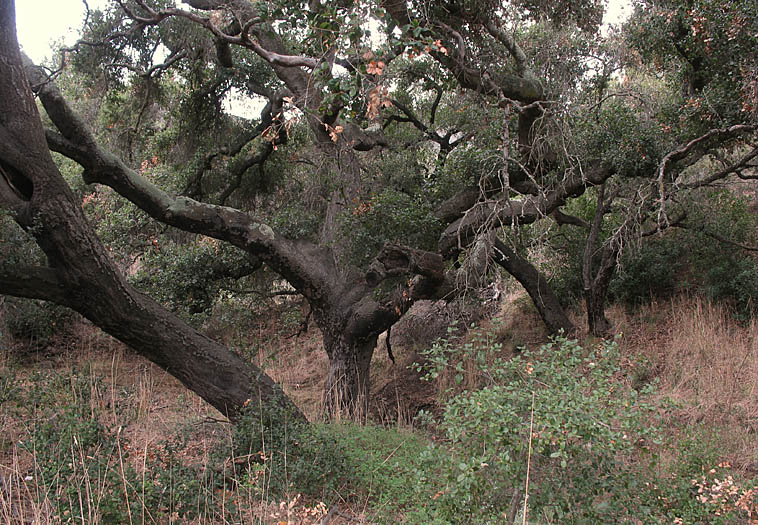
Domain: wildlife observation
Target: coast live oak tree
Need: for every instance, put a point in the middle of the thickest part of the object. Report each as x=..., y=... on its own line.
x=79, y=272
x=418, y=140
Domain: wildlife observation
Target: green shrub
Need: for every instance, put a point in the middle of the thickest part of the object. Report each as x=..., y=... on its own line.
x=388, y=464
x=584, y=429
x=187, y=278
x=390, y=216
x=589, y=440
x=85, y=469
x=276, y=454
x=35, y=323
x=334, y=462
x=652, y=271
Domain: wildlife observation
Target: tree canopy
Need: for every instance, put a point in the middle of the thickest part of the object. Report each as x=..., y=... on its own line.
x=388, y=152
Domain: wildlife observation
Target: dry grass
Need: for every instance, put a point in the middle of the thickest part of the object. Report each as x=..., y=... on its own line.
x=707, y=363
x=701, y=357
x=145, y=408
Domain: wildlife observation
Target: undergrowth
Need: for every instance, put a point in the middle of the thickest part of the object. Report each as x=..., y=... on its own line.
x=566, y=432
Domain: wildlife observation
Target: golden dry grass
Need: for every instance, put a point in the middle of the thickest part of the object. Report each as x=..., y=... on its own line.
x=145, y=407
x=707, y=363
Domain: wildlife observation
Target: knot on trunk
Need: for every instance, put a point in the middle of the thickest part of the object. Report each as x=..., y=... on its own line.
x=394, y=260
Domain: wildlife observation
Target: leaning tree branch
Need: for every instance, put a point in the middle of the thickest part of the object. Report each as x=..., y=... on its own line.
x=410, y=116
x=508, y=211
x=510, y=44
x=33, y=282
x=720, y=238
x=148, y=73
x=562, y=218
x=304, y=265
x=682, y=151
x=735, y=168
x=536, y=285
x=155, y=17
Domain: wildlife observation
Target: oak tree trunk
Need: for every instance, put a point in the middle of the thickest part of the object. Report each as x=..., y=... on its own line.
x=347, y=386
x=549, y=307
x=598, y=270
x=597, y=322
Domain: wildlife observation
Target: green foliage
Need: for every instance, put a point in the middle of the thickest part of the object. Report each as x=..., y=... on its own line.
x=693, y=260
x=123, y=228
x=624, y=141
x=9, y=385
x=275, y=455
x=585, y=429
x=187, y=278
x=728, y=274
x=735, y=280
x=35, y=323
x=388, y=462
x=652, y=271
x=295, y=221
x=16, y=245
x=704, y=47
x=381, y=466
x=390, y=216
x=85, y=469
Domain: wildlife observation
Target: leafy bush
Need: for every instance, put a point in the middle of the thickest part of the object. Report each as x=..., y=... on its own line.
x=276, y=453
x=622, y=137
x=188, y=277
x=85, y=470
x=581, y=437
x=653, y=271
x=388, y=465
x=334, y=462
x=35, y=323
x=563, y=414
x=660, y=266
x=390, y=216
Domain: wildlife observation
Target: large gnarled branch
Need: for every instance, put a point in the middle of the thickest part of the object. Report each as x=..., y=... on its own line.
x=305, y=266
x=509, y=211
x=33, y=282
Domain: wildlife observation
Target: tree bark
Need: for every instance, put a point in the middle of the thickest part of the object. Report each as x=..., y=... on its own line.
x=353, y=321
x=596, y=286
x=535, y=284
x=347, y=386
x=81, y=275
x=597, y=322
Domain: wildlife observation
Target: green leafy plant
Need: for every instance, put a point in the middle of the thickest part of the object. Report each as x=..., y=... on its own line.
x=85, y=470
x=558, y=411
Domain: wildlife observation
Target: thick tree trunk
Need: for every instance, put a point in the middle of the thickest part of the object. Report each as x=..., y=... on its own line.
x=596, y=286
x=80, y=273
x=545, y=300
x=212, y=371
x=347, y=387
x=597, y=322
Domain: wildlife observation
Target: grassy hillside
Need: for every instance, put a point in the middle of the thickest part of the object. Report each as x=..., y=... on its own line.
x=656, y=427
